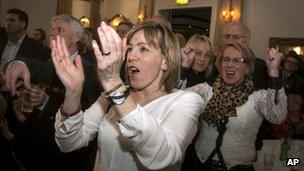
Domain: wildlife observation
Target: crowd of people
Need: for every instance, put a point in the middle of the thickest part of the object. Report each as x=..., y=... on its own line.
x=141, y=97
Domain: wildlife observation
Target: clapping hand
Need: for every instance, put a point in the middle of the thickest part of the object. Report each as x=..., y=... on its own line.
x=273, y=60
x=70, y=72
x=110, y=57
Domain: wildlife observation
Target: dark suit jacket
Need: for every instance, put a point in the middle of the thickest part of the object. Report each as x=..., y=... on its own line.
x=260, y=75
x=29, y=48
x=43, y=153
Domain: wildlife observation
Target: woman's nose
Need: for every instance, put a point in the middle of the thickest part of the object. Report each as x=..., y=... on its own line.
x=131, y=56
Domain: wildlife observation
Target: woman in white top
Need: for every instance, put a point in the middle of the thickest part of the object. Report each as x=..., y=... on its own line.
x=147, y=127
x=234, y=110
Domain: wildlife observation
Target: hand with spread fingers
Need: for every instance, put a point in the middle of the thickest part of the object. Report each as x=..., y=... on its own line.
x=273, y=60
x=187, y=56
x=70, y=72
x=110, y=57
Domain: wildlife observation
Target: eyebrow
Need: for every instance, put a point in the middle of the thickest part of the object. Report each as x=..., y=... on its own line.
x=140, y=43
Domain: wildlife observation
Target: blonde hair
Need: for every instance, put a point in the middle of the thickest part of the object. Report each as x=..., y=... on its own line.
x=162, y=38
x=181, y=39
x=246, y=53
x=197, y=39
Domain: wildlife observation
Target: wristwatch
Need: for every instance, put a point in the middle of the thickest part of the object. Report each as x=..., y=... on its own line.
x=117, y=97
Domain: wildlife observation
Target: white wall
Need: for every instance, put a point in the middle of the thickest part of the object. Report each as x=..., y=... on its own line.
x=272, y=18
x=128, y=8
x=40, y=12
x=81, y=8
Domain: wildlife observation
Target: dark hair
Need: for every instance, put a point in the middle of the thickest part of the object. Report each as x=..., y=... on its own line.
x=22, y=16
x=127, y=23
x=42, y=33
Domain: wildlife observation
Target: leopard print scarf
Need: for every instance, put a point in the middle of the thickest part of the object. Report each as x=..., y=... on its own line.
x=224, y=101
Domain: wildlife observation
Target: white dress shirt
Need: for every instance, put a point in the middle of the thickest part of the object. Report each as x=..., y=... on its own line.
x=10, y=51
x=154, y=136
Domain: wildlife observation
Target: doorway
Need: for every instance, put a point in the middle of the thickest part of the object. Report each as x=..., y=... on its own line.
x=189, y=21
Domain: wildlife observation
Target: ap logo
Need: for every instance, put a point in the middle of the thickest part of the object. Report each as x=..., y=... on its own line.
x=292, y=161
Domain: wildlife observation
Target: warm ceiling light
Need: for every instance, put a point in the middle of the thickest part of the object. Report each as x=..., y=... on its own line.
x=181, y=2
x=228, y=14
x=114, y=22
x=297, y=49
x=85, y=21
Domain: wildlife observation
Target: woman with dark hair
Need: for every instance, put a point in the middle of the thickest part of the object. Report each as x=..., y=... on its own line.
x=39, y=35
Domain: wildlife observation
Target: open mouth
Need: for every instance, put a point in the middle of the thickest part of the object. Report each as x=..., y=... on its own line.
x=230, y=73
x=133, y=70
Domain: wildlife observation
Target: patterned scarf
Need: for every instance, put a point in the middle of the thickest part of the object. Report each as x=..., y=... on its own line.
x=224, y=101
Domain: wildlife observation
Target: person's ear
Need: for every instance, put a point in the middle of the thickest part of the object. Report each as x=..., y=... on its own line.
x=164, y=65
x=76, y=37
x=23, y=25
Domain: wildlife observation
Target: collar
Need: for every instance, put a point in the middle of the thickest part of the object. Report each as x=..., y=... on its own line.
x=18, y=42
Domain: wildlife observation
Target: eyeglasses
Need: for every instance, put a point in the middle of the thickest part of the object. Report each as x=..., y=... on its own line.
x=232, y=36
x=234, y=60
x=202, y=54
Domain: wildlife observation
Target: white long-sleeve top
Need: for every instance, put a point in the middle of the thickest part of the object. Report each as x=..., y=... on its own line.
x=153, y=136
x=239, y=139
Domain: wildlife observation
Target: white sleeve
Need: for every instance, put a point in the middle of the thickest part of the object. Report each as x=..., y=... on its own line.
x=204, y=90
x=274, y=113
x=77, y=131
x=159, y=144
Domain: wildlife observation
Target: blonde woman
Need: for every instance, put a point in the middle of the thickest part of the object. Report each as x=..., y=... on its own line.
x=146, y=127
x=197, y=61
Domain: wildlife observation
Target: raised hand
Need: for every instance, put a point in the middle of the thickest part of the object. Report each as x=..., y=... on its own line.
x=110, y=59
x=70, y=72
x=273, y=60
x=187, y=56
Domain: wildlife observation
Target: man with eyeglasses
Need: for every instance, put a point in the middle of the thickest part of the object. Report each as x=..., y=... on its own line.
x=235, y=31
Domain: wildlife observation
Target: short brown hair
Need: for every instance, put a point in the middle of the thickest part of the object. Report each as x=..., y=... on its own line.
x=164, y=39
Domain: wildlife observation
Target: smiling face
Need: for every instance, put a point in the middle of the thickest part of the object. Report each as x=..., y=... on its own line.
x=145, y=63
x=233, y=68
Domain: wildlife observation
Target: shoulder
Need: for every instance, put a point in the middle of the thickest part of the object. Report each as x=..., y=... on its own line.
x=203, y=89
x=183, y=98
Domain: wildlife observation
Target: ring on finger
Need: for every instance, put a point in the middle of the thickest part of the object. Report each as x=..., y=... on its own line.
x=106, y=54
